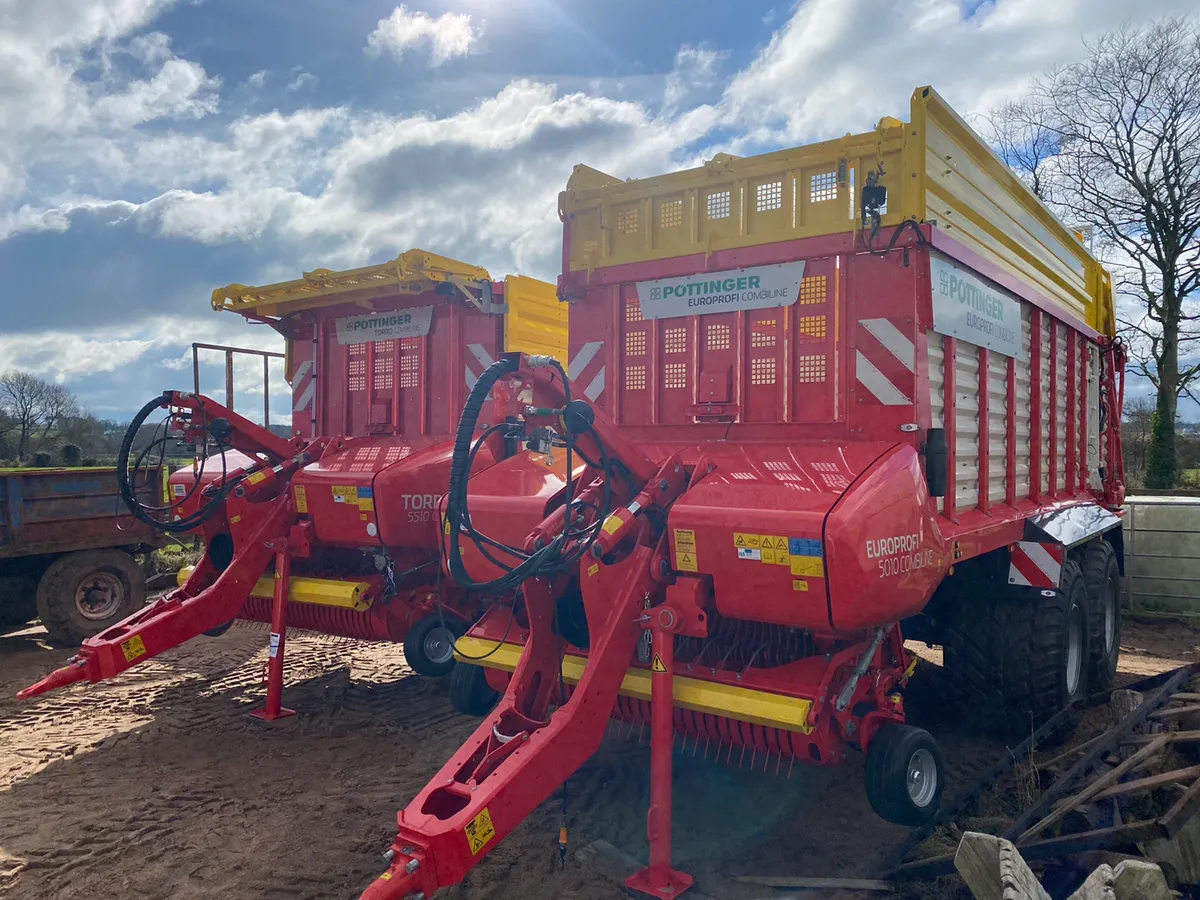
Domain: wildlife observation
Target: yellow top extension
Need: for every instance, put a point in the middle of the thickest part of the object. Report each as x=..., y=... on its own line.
x=935, y=168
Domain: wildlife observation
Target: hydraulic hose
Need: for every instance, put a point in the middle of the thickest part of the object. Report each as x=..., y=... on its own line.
x=127, y=478
x=542, y=561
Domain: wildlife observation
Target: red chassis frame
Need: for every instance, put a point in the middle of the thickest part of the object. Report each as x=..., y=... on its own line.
x=260, y=516
x=524, y=750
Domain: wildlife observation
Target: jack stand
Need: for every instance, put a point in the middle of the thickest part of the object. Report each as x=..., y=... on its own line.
x=274, y=709
x=658, y=879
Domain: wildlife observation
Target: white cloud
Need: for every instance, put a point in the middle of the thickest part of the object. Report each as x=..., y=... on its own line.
x=180, y=89
x=257, y=80
x=448, y=35
x=302, y=81
x=695, y=74
x=839, y=65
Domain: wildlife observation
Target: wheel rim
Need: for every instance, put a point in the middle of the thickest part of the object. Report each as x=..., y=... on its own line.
x=1074, y=649
x=1110, y=617
x=99, y=596
x=922, y=778
x=439, y=646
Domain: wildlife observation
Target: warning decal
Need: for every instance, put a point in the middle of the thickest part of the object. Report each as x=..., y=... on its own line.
x=479, y=831
x=344, y=494
x=799, y=584
x=657, y=665
x=133, y=648
x=805, y=557
x=366, y=499
x=746, y=540
x=611, y=524
x=301, y=499
x=685, y=549
x=749, y=553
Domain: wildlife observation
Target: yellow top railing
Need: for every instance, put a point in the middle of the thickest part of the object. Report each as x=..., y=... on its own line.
x=935, y=167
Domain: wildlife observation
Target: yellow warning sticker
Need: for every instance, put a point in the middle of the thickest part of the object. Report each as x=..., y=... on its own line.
x=611, y=524
x=256, y=477
x=811, y=566
x=344, y=494
x=235, y=520
x=685, y=539
x=301, y=499
x=657, y=665
x=593, y=568
x=446, y=525
x=781, y=557
x=746, y=540
x=799, y=584
x=479, y=831
x=133, y=648
x=366, y=504
x=386, y=876
x=685, y=562
x=768, y=555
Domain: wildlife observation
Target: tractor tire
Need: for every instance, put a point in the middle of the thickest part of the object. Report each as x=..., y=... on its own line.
x=1015, y=661
x=905, y=775
x=83, y=593
x=470, y=693
x=1102, y=581
x=429, y=645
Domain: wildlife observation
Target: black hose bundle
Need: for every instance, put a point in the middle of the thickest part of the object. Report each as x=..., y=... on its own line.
x=128, y=476
x=557, y=556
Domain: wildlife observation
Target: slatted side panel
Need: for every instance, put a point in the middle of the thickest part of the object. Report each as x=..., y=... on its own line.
x=1044, y=389
x=997, y=427
x=1023, y=401
x=1061, y=380
x=935, y=349
x=966, y=420
x=1094, y=440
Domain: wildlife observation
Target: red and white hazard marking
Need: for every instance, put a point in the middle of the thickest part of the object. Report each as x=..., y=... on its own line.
x=478, y=360
x=885, y=362
x=1036, y=565
x=587, y=369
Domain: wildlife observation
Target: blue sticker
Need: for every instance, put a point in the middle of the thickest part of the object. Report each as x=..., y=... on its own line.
x=804, y=547
x=366, y=493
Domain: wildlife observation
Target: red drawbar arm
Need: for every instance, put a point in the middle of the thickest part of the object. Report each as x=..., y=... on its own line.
x=518, y=757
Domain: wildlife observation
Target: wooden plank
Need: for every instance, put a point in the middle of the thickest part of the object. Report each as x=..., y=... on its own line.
x=1182, y=812
x=1086, y=745
x=1150, y=782
x=1098, y=785
x=800, y=882
x=1175, y=711
x=1185, y=695
x=1177, y=737
x=1063, y=785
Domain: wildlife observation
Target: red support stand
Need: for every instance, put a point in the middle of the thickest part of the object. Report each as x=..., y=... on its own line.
x=658, y=879
x=274, y=708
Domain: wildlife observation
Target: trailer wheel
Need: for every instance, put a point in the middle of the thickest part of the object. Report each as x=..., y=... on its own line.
x=905, y=775
x=83, y=593
x=1016, y=660
x=429, y=645
x=1102, y=580
x=470, y=693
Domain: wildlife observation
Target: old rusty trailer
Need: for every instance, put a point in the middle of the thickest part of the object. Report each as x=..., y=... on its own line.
x=66, y=549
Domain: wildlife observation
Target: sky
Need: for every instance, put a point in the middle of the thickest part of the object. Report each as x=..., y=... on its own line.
x=154, y=150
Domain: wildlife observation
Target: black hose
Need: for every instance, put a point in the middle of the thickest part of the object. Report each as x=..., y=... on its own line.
x=545, y=560
x=128, y=477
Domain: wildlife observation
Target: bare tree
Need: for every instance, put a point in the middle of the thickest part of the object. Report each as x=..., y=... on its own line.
x=1022, y=135
x=1126, y=122
x=33, y=407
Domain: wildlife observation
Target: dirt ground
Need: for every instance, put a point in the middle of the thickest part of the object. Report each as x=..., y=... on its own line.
x=158, y=785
